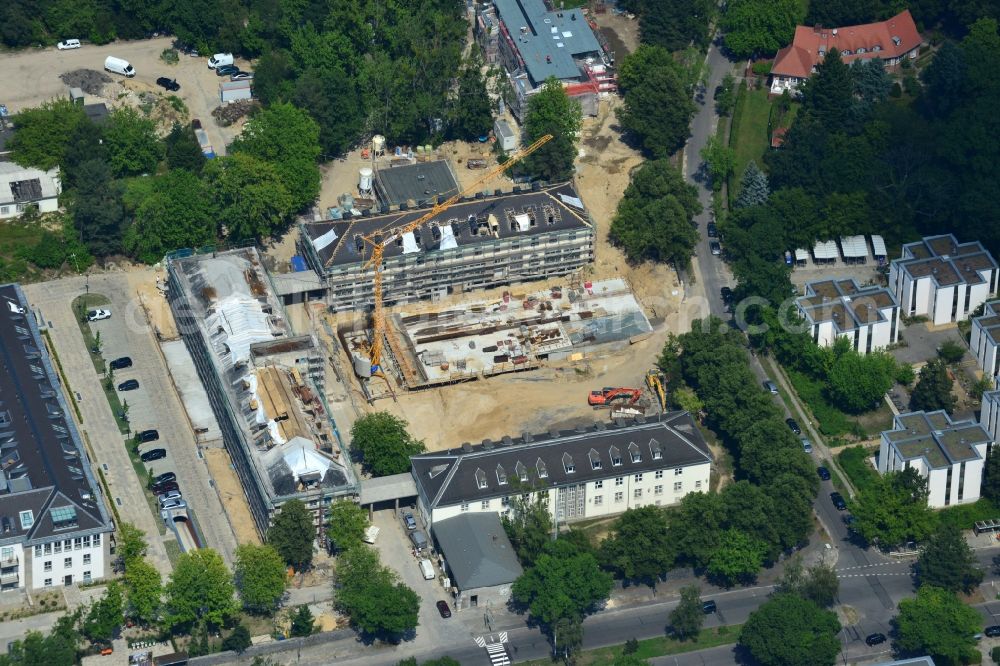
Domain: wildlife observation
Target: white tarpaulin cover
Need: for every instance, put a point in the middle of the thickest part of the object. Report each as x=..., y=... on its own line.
x=854, y=246
x=572, y=201
x=244, y=322
x=303, y=459
x=878, y=246
x=325, y=240
x=801, y=255
x=448, y=237
x=409, y=243
x=523, y=222
x=825, y=250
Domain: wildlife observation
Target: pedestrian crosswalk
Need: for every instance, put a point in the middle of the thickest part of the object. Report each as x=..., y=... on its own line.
x=498, y=654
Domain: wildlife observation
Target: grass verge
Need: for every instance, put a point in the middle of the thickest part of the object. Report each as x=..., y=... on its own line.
x=853, y=460
x=62, y=375
x=107, y=493
x=80, y=305
x=749, y=137
x=660, y=646
x=173, y=551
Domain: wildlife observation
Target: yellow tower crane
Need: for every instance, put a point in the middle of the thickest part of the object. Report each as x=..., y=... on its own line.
x=380, y=239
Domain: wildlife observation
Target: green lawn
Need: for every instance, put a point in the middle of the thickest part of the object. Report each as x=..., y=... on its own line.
x=853, y=461
x=965, y=515
x=749, y=136
x=654, y=647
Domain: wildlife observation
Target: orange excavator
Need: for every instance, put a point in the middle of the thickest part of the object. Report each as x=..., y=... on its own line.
x=611, y=394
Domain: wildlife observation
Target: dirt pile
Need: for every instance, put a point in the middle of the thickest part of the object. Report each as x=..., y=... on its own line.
x=89, y=81
x=227, y=114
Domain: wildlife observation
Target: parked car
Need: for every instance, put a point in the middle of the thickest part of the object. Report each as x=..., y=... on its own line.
x=121, y=363
x=807, y=446
x=169, y=84
x=794, y=426
x=129, y=385
x=727, y=295
x=168, y=496
x=226, y=70
x=165, y=487
x=241, y=76
x=444, y=609
x=153, y=454
x=715, y=248
x=148, y=436
x=708, y=607
x=875, y=639
x=992, y=631
x=173, y=504
x=68, y=44
x=838, y=501
x=824, y=473
x=98, y=315
x=713, y=231
x=166, y=476
x=771, y=387
x=220, y=60
x=409, y=521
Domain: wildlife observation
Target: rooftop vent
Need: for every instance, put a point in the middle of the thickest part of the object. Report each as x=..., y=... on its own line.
x=506, y=440
x=467, y=447
x=488, y=444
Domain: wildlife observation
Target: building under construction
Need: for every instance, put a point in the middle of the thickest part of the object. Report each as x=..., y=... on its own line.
x=485, y=241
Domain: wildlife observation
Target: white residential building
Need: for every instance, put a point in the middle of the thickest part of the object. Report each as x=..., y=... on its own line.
x=21, y=187
x=868, y=317
x=989, y=416
x=951, y=455
x=942, y=279
x=985, y=339
x=585, y=473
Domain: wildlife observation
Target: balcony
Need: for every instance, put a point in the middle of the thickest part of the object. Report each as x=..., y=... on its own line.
x=9, y=561
x=8, y=576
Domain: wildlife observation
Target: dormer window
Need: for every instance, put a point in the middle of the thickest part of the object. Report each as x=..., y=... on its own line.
x=501, y=475
x=633, y=452
x=543, y=471
x=567, y=461
x=616, y=457
x=595, y=459
x=847, y=52
x=27, y=519
x=521, y=471
x=655, y=449
x=481, y=479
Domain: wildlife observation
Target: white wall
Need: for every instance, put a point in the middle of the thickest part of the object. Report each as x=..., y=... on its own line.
x=944, y=299
x=16, y=552
x=937, y=483
x=990, y=415
x=8, y=211
x=980, y=293
x=59, y=570
x=984, y=349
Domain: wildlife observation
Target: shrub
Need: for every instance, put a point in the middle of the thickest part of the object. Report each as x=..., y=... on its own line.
x=951, y=351
x=896, y=91
x=170, y=56
x=911, y=86
x=762, y=68
x=905, y=374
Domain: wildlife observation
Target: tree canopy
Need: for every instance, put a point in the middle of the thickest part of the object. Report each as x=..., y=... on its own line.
x=552, y=111
x=346, y=524
x=893, y=509
x=788, y=630
x=686, y=619
x=528, y=525
x=44, y=132
x=259, y=574
x=639, y=546
x=672, y=24
x=144, y=591
x=292, y=533
x=132, y=144
x=947, y=562
x=384, y=443
x=372, y=595
x=933, y=389
x=200, y=589
x=760, y=27
x=938, y=624
x=657, y=107
x=249, y=194
x=169, y=212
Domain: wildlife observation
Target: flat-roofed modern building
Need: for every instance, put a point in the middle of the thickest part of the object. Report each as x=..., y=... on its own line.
x=868, y=317
x=478, y=243
x=950, y=454
x=416, y=184
x=984, y=339
x=942, y=279
x=54, y=526
x=585, y=473
x=264, y=384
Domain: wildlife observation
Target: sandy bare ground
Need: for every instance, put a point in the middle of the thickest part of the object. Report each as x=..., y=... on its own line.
x=233, y=497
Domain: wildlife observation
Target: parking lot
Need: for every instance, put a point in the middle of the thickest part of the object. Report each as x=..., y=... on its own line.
x=30, y=77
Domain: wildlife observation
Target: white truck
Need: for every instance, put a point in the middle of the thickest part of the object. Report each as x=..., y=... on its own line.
x=220, y=59
x=119, y=66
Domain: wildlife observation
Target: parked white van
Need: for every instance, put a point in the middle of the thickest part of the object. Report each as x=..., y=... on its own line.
x=68, y=44
x=220, y=59
x=427, y=569
x=119, y=66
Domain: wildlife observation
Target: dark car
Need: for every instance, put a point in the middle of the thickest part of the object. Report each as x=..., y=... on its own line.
x=226, y=70
x=129, y=385
x=875, y=639
x=838, y=501
x=165, y=487
x=166, y=476
x=169, y=84
x=849, y=520
x=708, y=607
x=154, y=454
x=121, y=363
x=727, y=295
x=992, y=631
x=824, y=473
x=794, y=426
x=148, y=436
x=444, y=609
x=713, y=231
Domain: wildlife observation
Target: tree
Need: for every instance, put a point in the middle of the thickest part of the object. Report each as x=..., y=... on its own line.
x=36, y=649
x=97, y=209
x=754, y=188
x=528, y=526
x=131, y=543
x=200, y=589
x=372, y=596
x=871, y=82
x=687, y=618
x=672, y=24
x=657, y=107
x=951, y=352
x=858, y=382
x=720, y=160
x=653, y=221
x=788, y=630
x=933, y=389
x=133, y=148
x=828, y=95
x=292, y=533
x=552, y=111
x=331, y=98
x=250, y=194
x=86, y=142
x=938, y=624
x=472, y=116
x=563, y=583
x=567, y=637
x=738, y=558
x=239, y=640
x=105, y=616
x=384, y=443
x=302, y=621
x=183, y=150
x=44, y=133
x=639, y=547
x=260, y=577
x=346, y=524
x=144, y=589
x=893, y=509
x=288, y=138
x=170, y=212
x=818, y=584
x=696, y=527
x=947, y=561
x=760, y=27
x=725, y=95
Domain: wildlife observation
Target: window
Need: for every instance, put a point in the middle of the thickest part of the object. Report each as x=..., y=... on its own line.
x=633, y=452
x=697, y=484
x=678, y=471
x=86, y=576
x=616, y=457
x=96, y=541
x=4, y=210
x=48, y=549
x=67, y=562
x=620, y=481
x=598, y=500
x=595, y=459
x=638, y=477
x=465, y=506
x=567, y=461
x=86, y=542
x=655, y=449
x=598, y=485
x=86, y=558
x=484, y=505
x=57, y=547
x=47, y=566
x=637, y=493
x=543, y=471
x=481, y=479
x=27, y=519
x=659, y=474
x=619, y=497
x=68, y=544
x=48, y=582
x=78, y=543
x=521, y=471
x=658, y=490
x=501, y=475
x=678, y=486
x=38, y=551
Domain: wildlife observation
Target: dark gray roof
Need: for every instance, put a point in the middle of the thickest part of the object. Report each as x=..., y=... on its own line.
x=946, y=261
x=477, y=550
x=540, y=206
x=473, y=473
x=419, y=182
x=44, y=468
x=97, y=112
x=549, y=42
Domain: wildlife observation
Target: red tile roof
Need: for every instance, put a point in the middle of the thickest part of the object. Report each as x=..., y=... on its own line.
x=877, y=39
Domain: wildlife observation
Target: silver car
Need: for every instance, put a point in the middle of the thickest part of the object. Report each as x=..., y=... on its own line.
x=168, y=496
x=173, y=504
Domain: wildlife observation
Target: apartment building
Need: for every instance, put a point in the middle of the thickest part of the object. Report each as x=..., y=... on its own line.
x=585, y=473
x=984, y=339
x=868, y=317
x=54, y=526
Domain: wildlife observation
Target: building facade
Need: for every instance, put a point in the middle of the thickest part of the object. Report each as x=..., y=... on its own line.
x=479, y=243
x=587, y=473
x=21, y=187
x=951, y=455
x=868, y=317
x=942, y=279
x=890, y=41
x=984, y=339
x=54, y=526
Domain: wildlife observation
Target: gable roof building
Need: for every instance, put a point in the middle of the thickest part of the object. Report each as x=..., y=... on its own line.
x=890, y=40
x=601, y=470
x=867, y=316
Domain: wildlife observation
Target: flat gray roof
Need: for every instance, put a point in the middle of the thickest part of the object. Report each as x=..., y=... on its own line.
x=477, y=550
x=420, y=182
x=386, y=488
